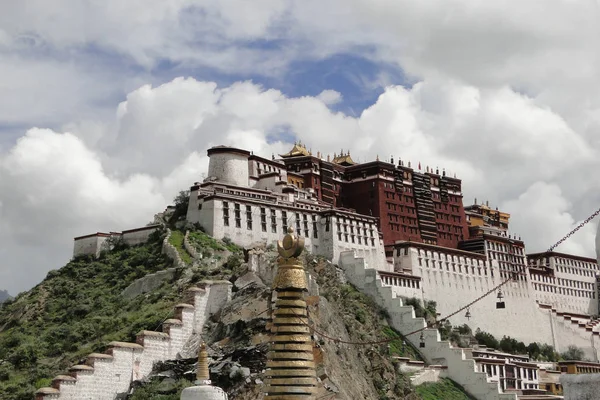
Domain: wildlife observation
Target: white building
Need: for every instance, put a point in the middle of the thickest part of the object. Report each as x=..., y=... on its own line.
x=512, y=372
x=248, y=199
x=566, y=282
x=95, y=243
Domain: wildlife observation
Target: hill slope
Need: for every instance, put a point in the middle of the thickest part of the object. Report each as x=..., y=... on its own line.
x=75, y=311
x=80, y=308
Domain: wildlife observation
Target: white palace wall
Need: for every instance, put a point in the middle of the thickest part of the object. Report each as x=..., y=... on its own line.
x=93, y=244
x=452, y=285
x=326, y=232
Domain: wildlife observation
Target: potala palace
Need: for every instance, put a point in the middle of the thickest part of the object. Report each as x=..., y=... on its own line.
x=399, y=231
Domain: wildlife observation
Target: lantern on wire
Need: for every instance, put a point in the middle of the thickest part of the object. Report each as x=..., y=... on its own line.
x=422, y=340
x=500, y=302
x=468, y=314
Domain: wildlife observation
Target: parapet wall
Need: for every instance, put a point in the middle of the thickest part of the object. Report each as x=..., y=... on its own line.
x=105, y=375
x=95, y=243
x=171, y=251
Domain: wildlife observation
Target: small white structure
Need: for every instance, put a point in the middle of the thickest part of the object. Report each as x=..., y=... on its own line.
x=95, y=243
x=203, y=389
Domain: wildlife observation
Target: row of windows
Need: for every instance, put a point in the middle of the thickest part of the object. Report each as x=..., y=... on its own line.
x=506, y=257
x=443, y=216
x=499, y=370
x=406, y=229
x=268, y=217
x=348, y=227
x=576, y=271
x=397, y=281
x=350, y=238
x=448, y=228
x=304, y=223
x=502, y=247
x=396, y=207
x=563, y=282
x=450, y=257
x=405, y=220
x=456, y=267
x=576, y=263
x=563, y=290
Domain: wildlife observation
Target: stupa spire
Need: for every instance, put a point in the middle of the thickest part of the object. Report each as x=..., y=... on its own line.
x=202, y=374
x=202, y=390
x=290, y=364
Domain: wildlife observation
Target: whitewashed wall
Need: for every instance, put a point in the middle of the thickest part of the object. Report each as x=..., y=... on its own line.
x=581, y=386
x=91, y=245
x=134, y=237
x=522, y=319
x=231, y=168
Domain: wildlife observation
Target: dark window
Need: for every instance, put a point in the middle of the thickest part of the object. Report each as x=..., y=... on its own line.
x=237, y=215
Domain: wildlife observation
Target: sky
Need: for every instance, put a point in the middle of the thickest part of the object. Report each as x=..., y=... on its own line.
x=107, y=107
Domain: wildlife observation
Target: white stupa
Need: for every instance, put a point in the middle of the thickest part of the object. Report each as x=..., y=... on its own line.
x=203, y=390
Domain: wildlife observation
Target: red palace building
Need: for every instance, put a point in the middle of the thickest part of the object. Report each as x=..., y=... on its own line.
x=411, y=205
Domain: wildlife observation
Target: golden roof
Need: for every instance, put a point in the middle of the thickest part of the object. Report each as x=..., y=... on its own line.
x=343, y=159
x=298, y=150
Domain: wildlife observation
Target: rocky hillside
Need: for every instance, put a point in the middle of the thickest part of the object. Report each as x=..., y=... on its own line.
x=81, y=307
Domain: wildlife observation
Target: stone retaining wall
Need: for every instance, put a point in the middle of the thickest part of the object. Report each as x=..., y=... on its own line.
x=171, y=251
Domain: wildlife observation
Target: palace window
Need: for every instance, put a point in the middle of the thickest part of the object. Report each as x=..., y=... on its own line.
x=284, y=221
x=305, y=220
x=237, y=215
x=263, y=219
x=298, y=223
x=225, y=213
x=273, y=221
x=314, y=225
x=249, y=217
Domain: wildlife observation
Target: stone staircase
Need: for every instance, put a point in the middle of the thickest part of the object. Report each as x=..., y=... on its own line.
x=460, y=365
x=584, y=323
x=103, y=376
x=420, y=373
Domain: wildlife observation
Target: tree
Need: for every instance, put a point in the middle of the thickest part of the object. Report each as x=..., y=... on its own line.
x=573, y=353
x=486, y=339
x=181, y=202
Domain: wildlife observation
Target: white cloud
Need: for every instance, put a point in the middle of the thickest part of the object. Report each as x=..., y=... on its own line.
x=505, y=98
x=330, y=97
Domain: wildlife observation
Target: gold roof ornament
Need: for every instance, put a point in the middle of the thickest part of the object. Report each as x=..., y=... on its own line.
x=291, y=372
x=298, y=150
x=344, y=159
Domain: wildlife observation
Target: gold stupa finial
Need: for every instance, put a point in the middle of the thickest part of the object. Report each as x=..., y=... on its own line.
x=202, y=373
x=291, y=372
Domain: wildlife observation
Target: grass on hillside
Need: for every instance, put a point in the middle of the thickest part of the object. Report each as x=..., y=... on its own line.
x=77, y=310
x=203, y=241
x=445, y=389
x=176, y=239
